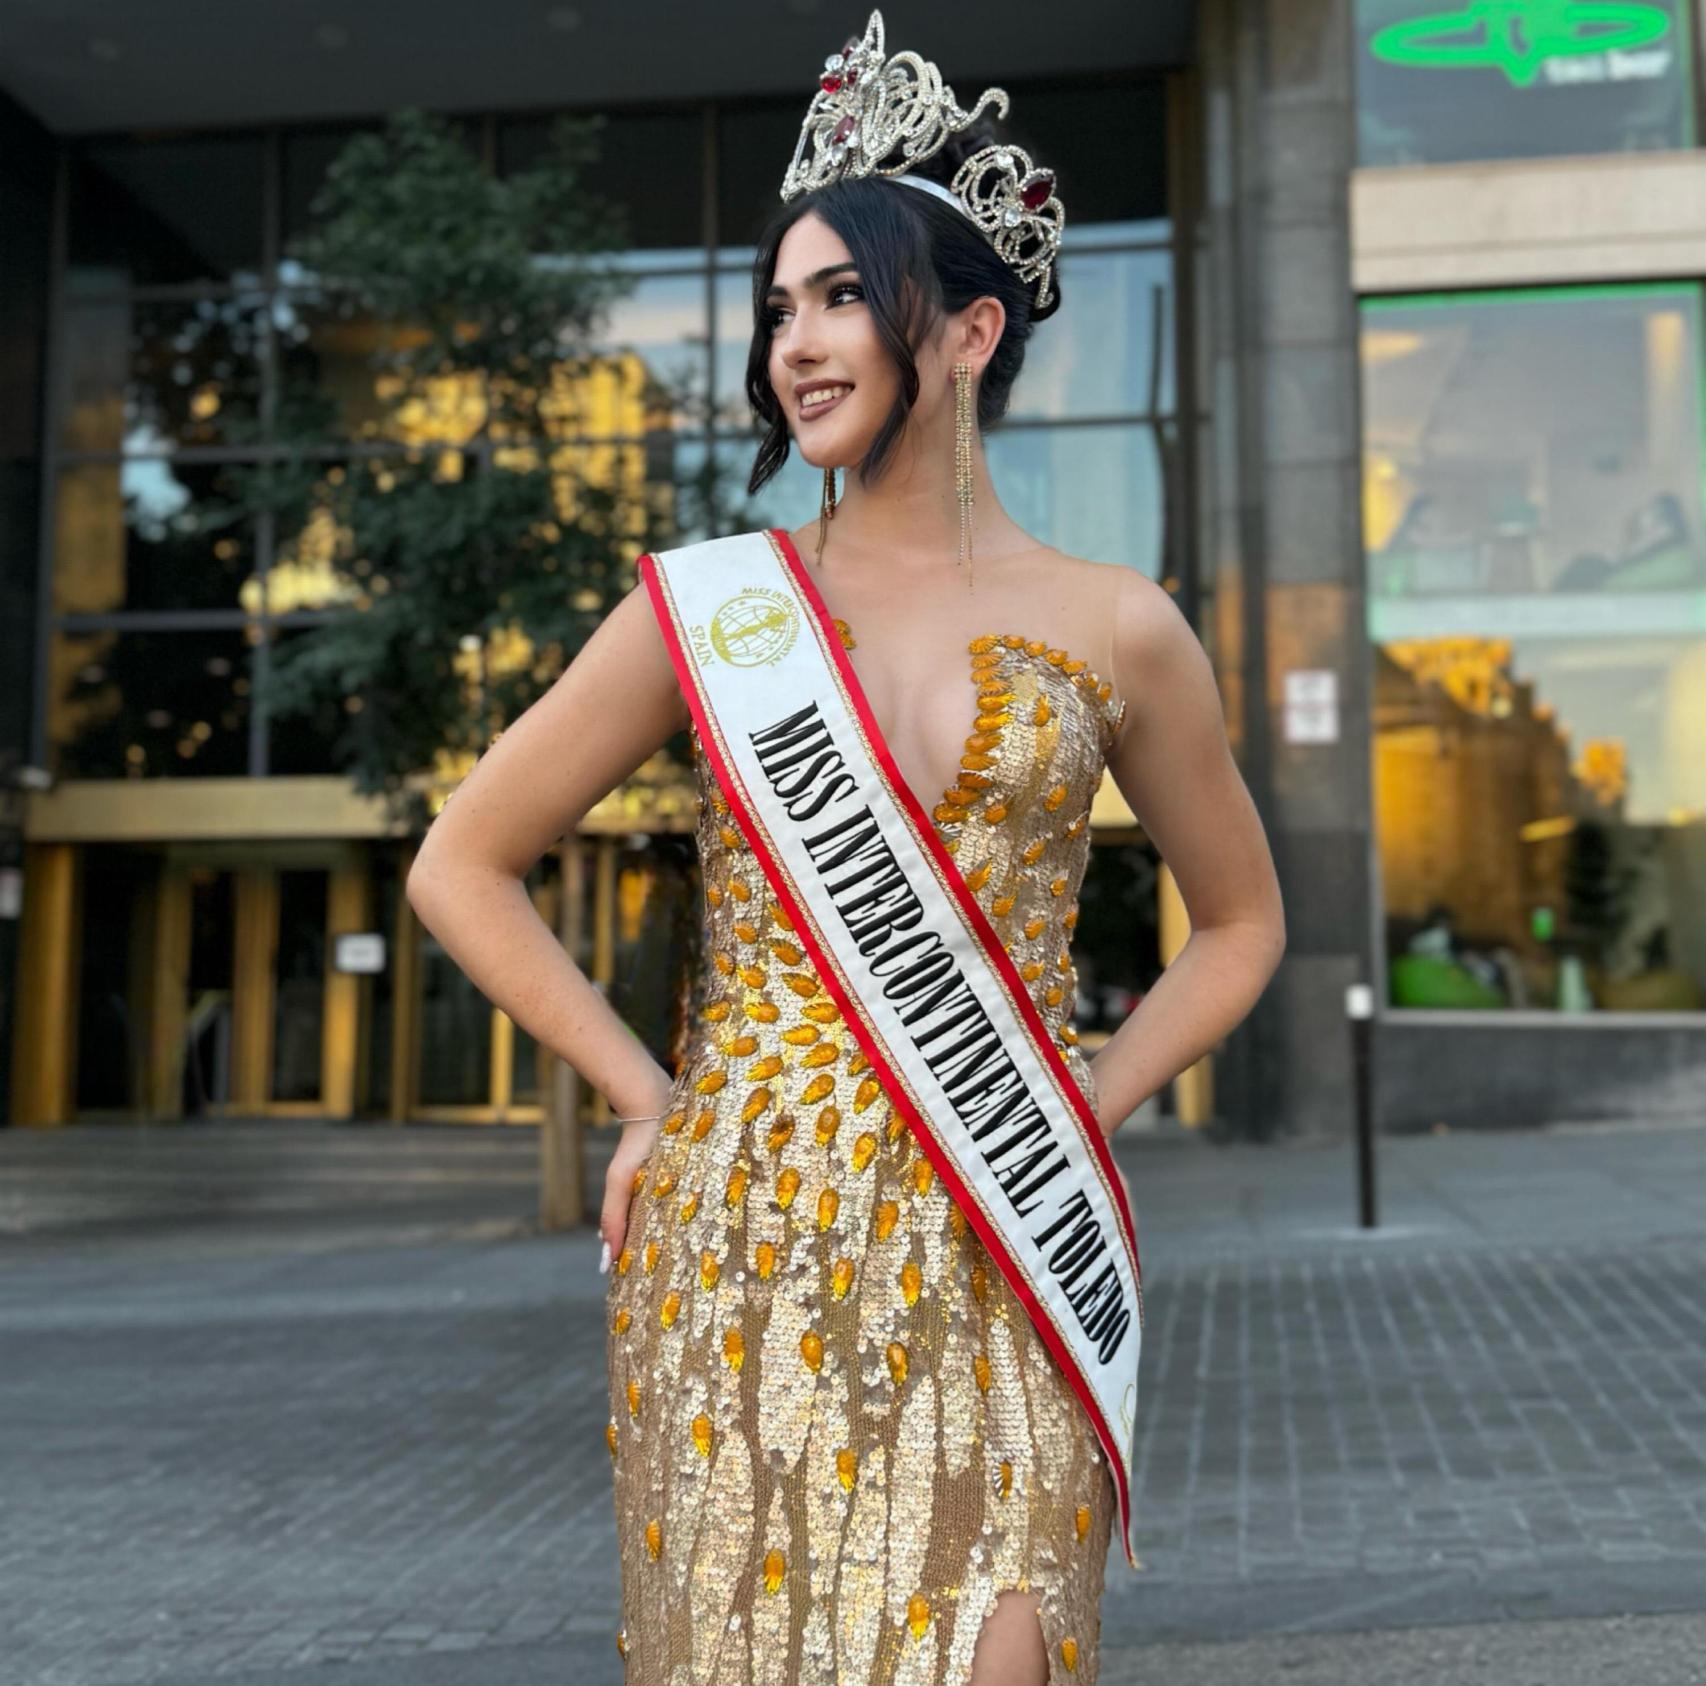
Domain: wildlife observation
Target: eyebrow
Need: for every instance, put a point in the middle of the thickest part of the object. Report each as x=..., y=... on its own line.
x=816, y=278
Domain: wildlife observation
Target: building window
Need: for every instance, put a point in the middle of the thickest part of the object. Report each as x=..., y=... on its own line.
x=1442, y=81
x=1536, y=566
x=191, y=347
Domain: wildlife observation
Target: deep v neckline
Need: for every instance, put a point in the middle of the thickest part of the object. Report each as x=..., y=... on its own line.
x=986, y=739
x=946, y=795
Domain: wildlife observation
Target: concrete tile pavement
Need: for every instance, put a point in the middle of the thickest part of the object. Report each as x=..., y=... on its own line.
x=281, y=1396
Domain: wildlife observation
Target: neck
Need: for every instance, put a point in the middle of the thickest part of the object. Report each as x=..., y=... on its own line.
x=909, y=518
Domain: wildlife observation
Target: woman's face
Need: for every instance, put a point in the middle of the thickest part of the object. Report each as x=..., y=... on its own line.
x=831, y=374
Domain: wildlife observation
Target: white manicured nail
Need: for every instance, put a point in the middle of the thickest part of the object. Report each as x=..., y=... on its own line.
x=604, y=1260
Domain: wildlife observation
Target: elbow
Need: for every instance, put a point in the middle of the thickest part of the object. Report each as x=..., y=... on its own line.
x=418, y=886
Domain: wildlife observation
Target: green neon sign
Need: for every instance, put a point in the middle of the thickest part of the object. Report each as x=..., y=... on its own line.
x=1519, y=36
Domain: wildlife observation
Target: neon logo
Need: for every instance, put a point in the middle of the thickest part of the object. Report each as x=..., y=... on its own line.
x=1518, y=36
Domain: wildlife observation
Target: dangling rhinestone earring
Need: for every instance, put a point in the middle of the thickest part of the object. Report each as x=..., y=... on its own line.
x=825, y=509
x=963, y=457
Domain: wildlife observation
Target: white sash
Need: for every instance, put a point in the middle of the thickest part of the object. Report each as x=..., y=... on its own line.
x=908, y=955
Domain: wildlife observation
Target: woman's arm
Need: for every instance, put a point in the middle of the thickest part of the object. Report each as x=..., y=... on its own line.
x=1173, y=764
x=614, y=705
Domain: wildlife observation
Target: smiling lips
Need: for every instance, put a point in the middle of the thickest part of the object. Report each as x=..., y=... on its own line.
x=815, y=402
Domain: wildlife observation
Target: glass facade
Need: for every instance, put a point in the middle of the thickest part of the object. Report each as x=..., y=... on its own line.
x=188, y=337
x=1535, y=534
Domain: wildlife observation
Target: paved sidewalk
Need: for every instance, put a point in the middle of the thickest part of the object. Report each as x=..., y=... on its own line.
x=285, y=1395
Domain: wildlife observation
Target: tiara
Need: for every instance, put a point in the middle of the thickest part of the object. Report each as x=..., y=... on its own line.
x=878, y=116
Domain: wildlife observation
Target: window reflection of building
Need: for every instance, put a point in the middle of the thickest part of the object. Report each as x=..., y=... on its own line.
x=1537, y=591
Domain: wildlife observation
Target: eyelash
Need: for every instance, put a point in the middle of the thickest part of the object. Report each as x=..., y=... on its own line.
x=773, y=315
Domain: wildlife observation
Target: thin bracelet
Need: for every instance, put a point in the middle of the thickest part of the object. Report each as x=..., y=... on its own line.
x=635, y=1117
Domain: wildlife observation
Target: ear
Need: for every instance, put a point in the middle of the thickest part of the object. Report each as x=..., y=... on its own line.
x=981, y=325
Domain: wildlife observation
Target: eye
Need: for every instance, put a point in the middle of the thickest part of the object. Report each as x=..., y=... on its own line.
x=772, y=315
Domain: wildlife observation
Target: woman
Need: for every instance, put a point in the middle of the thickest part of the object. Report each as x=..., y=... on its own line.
x=870, y=1322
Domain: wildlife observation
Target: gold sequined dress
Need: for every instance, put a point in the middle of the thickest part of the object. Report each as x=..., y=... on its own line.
x=836, y=1433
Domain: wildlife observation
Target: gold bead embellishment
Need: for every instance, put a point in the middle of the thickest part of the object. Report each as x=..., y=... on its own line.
x=898, y=1361
x=828, y=1122
x=1069, y=1655
x=980, y=1373
x=702, y=1435
x=775, y=1568
x=624, y=1261
x=639, y=1181
x=673, y=1123
x=734, y=1349
x=888, y=1215
x=709, y=1270
x=864, y=1151
x=811, y=1350
x=633, y=1399
x=689, y=1206
x=867, y=1092
x=1004, y=1479
x=711, y=1082
x=979, y=1283
x=825, y=1053
x=736, y=1190
x=621, y=1642
x=821, y=1085
x=841, y=1278
x=828, y=1204
x=621, y=1321
x=923, y=1175
x=664, y=1184
x=651, y=1256
x=610, y=1436
x=801, y=1035
x=654, y=1539
x=918, y=1614
x=766, y=1067
x=764, y=1259
x=756, y=1102
x=846, y=1468
x=781, y=1133
x=1081, y=1522
x=670, y=1308
x=911, y=1281
x=787, y=1186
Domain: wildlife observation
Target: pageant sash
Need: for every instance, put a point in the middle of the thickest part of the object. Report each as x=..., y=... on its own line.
x=909, y=956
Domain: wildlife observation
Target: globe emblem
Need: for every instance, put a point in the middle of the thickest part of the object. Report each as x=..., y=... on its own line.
x=750, y=630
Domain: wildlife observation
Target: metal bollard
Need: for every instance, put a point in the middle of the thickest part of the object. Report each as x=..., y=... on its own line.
x=1359, y=1008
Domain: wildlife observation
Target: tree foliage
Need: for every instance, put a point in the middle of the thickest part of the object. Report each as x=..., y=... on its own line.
x=458, y=504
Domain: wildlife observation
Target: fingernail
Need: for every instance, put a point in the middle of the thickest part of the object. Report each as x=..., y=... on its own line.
x=604, y=1260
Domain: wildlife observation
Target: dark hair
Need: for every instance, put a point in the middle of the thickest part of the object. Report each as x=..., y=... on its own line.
x=919, y=260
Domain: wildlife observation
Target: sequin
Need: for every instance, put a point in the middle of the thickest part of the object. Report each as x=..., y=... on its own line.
x=902, y=1432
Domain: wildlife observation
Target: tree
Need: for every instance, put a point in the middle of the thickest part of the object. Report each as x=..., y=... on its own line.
x=482, y=519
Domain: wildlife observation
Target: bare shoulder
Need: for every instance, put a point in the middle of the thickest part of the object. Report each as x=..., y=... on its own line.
x=1143, y=612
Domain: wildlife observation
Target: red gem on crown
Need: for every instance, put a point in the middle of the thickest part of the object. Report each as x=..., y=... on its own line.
x=1034, y=195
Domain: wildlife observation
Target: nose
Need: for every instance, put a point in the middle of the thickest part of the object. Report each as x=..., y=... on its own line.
x=797, y=340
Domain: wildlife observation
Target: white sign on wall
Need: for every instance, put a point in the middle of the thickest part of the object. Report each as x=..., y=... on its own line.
x=1312, y=705
x=359, y=951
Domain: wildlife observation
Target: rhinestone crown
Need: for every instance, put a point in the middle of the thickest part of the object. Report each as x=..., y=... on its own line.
x=877, y=116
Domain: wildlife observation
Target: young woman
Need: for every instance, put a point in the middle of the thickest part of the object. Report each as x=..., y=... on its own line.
x=874, y=1310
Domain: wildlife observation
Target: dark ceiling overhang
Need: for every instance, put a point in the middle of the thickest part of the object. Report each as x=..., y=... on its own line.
x=87, y=66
